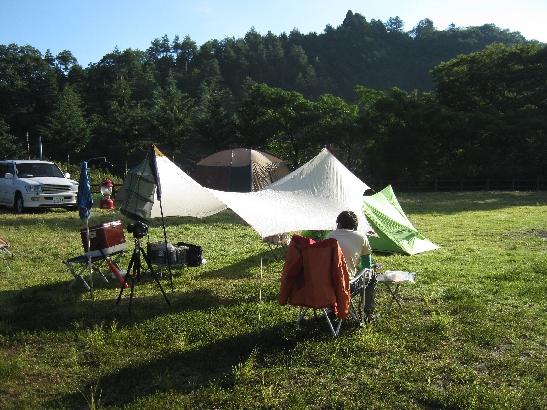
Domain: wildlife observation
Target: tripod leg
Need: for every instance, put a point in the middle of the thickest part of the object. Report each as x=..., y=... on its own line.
x=136, y=274
x=131, y=293
x=145, y=256
x=127, y=273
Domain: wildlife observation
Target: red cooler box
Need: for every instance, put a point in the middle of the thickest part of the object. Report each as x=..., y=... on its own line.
x=109, y=237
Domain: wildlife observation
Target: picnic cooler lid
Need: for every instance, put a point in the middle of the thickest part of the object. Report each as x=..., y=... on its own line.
x=108, y=236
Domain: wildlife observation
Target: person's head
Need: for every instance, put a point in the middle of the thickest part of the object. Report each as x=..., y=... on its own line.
x=347, y=220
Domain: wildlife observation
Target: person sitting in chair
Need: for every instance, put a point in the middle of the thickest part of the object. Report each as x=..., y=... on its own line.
x=357, y=253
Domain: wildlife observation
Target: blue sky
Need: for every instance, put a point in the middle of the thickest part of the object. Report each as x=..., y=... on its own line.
x=91, y=29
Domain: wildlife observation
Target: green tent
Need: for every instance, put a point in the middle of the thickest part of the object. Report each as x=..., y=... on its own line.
x=394, y=230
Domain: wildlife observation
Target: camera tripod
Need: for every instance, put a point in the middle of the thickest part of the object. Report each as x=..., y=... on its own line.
x=134, y=270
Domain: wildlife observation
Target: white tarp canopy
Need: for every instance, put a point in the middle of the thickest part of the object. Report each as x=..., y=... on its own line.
x=309, y=198
x=180, y=194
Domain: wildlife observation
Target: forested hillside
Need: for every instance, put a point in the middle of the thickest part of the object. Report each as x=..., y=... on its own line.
x=363, y=88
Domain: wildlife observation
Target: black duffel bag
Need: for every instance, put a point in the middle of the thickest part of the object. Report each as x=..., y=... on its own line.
x=195, y=254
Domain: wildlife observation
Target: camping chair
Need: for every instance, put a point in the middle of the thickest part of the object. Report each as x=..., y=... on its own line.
x=392, y=279
x=358, y=286
x=80, y=264
x=315, y=276
x=4, y=249
x=277, y=241
x=106, y=246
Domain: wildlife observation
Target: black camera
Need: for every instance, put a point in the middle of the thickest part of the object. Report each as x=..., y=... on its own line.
x=138, y=229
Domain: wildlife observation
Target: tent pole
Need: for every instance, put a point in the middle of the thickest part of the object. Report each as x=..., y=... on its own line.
x=89, y=259
x=152, y=161
x=166, y=248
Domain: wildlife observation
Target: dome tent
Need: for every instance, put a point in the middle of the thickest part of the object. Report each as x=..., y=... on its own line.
x=239, y=170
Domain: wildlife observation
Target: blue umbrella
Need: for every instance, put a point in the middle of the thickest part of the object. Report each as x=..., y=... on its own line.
x=85, y=201
x=84, y=204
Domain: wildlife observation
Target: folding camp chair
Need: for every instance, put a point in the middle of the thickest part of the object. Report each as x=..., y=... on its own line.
x=358, y=287
x=315, y=276
x=392, y=280
x=106, y=244
x=356, y=303
x=277, y=241
x=80, y=264
x=4, y=249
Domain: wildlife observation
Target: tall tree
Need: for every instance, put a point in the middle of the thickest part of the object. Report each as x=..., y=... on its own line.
x=67, y=126
x=28, y=89
x=170, y=118
x=9, y=146
x=279, y=120
x=502, y=94
x=336, y=124
x=125, y=128
x=214, y=120
x=400, y=135
x=395, y=25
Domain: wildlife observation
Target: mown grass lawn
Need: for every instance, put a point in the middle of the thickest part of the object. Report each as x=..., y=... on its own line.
x=472, y=332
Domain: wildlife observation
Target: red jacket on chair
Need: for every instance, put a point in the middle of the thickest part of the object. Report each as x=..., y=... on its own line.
x=315, y=276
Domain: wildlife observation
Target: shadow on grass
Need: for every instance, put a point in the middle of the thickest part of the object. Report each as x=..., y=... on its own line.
x=244, y=268
x=54, y=307
x=192, y=370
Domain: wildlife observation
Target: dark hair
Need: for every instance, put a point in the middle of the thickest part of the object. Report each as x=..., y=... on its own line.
x=347, y=220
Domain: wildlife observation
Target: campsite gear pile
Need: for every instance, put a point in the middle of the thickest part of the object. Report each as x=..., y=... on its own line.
x=277, y=241
x=180, y=254
x=164, y=254
x=195, y=254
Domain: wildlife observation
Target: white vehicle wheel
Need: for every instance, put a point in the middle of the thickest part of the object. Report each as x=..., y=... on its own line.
x=19, y=204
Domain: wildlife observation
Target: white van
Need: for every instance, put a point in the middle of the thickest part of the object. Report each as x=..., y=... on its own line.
x=35, y=184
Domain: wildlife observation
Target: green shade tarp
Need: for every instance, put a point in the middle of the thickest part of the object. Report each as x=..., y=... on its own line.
x=396, y=234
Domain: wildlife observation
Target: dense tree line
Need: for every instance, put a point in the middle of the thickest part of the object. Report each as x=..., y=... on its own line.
x=457, y=103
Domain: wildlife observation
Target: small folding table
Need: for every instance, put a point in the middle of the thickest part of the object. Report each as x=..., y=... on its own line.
x=392, y=280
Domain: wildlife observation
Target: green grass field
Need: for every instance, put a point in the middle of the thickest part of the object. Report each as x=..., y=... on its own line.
x=472, y=332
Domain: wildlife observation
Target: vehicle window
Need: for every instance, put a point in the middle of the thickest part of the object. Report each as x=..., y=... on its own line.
x=39, y=170
x=4, y=168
